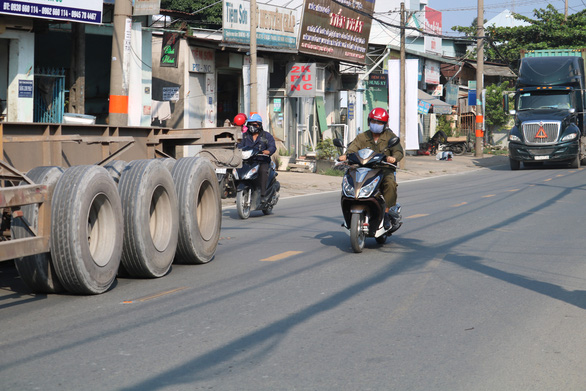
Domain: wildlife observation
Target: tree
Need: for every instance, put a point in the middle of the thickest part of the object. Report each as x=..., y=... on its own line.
x=548, y=30
x=495, y=116
x=202, y=13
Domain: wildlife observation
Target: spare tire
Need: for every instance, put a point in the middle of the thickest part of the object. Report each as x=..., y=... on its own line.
x=199, y=200
x=86, y=229
x=149, y=207
x=37, y=271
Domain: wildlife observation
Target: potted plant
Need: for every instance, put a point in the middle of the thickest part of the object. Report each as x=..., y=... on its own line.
x=326, y=153
x=284, y=159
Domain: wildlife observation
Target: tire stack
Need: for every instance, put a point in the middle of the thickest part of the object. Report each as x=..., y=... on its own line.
x=132, y=219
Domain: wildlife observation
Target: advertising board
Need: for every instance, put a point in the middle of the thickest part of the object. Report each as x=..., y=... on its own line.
x=87, y=11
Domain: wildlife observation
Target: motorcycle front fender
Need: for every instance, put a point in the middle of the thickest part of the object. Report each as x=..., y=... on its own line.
x=242, y=186
x=357, y=208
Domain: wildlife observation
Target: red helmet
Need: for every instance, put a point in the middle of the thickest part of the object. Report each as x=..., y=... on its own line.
x=378, y=114
x=240, y=119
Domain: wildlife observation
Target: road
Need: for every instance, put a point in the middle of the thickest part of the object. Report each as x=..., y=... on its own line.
x=483, y=288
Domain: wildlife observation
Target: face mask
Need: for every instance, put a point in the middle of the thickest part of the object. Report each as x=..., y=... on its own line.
x=254, y=128
x=376, y=128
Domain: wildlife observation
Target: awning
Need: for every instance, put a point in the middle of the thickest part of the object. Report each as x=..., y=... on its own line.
x=439, y=106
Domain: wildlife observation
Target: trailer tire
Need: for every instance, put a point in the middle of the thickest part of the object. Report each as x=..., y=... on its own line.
x=37, y=271
x=149, y=207
x=168, y=162
x=86, y=229
x=200, y=220
x=115, y=169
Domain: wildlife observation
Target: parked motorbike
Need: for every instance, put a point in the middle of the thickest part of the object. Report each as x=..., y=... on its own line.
x=363, y=204
x=457, y=146
x=248, y=189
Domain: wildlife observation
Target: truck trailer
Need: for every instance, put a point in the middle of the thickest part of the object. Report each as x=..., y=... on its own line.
x=82, y=204
x=548, y=109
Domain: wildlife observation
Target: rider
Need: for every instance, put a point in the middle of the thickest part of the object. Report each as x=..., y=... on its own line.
x=257, y=137
x=377, y=138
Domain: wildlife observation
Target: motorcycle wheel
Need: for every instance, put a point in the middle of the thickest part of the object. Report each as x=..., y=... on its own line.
x=243, y=204
x=457, y=149
x=357, y=236
x=381, y=239
x=222, y=184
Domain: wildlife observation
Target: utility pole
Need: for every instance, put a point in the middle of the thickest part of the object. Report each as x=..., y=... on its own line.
x=479, y=80
x=566, y=11
x=118, y=75
x=253, y=72
x=77, y=69
x=402, y=125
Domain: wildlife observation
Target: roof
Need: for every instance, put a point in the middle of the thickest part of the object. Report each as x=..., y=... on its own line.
x=505, y=19
x=439, y=106
x=494, y=69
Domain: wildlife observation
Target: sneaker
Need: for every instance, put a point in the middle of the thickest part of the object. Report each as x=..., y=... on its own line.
x=263, y=199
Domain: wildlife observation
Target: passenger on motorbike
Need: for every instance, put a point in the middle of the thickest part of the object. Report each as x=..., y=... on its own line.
x=377, y=138
x=257, y=137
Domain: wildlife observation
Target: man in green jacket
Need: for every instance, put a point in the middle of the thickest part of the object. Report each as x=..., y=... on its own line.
x=377, y=139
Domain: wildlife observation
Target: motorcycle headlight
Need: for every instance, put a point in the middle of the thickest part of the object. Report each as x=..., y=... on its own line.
x=367, y=190
x=251, y=173
x=569, y=137
x=347, y=188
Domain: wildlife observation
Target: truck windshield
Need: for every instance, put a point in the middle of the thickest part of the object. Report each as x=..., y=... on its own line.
x=544, y=100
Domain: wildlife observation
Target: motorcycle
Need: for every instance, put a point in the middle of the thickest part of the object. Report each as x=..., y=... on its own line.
x=440, y=140
x=363, y=204
x=247, y=187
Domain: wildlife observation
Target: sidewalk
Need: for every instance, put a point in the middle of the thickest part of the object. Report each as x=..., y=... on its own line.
x=416, y=167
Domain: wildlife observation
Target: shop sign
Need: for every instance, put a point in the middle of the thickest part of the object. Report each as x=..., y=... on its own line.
x=276, y=25
x=432, y=25
x=170, y=50
x=301, y=80
x=146, y=7
x=201, y=60
x=25, y=88
x=87, y=11
x=337, y=31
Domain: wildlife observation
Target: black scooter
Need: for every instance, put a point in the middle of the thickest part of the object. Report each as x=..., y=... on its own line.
x=248, y=189
x=363, y=204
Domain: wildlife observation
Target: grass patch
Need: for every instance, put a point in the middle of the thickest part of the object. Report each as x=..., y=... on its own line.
x=333, y=172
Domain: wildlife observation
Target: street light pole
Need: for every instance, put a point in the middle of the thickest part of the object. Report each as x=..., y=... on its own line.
x=479, y=80
x=402, y=125
x=253, y=71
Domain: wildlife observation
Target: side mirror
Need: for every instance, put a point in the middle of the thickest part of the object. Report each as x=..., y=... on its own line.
x=394, y=141
x=506, y=102
x=338, y=143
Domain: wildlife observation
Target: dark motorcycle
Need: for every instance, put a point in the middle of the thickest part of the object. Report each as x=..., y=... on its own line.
x=247, y=186
x=457, y=146
x=363, y=204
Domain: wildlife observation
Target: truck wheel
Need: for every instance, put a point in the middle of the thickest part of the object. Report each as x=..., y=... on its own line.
x=200, y=220
x=86, y=229
x=515, y=164
x=115, y=169
x=149, y=207
x=37, y=271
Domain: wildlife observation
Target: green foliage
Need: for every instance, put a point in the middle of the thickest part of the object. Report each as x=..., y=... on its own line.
x=202, y=13
x=444, y=125
x=284, y=152
x=326, y=150
x=494, y=114
x=548, y=30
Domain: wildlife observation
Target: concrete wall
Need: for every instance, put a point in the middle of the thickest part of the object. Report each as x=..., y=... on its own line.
x=21, y=55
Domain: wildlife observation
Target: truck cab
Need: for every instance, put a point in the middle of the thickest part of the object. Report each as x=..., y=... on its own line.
x=549, y=112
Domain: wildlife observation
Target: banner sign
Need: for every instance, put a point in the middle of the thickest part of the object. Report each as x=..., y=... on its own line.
x=432, y=72
x=423, y=107
x=432, y=25
x=301, y=80
x=276, y=25
x=337, y=31
x=87, y=11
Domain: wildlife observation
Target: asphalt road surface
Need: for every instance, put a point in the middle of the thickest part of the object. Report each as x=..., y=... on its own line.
x=483, y=288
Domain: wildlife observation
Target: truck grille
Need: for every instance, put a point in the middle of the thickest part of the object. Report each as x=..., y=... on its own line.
x=541, y=133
